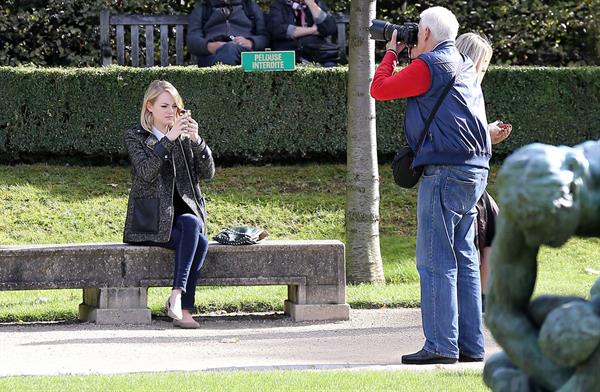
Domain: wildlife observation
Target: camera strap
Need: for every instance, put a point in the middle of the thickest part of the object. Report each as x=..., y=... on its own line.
x=437, y=105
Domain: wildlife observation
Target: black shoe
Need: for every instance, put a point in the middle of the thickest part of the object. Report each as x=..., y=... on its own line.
x=482, y=303
x=426, y=358
x=465, y=358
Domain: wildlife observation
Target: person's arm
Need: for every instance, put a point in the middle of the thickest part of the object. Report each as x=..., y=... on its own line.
x=260, y=39
x=499, y=131
x=147, y=167
x=322, y=18
x=203, y=162
x=277, y=22
x=196, y=41
x=299, y=31
x=413, y=80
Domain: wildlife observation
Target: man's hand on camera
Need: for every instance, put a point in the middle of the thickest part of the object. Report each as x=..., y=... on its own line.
x=393, y=45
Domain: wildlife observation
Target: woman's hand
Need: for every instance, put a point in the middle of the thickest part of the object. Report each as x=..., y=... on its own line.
x=394, y=45
x=180, y=127
x=499, y=131
x=192, y=130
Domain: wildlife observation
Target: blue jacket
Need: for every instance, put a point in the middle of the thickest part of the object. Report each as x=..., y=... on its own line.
x=458, y=134
x=219, y=27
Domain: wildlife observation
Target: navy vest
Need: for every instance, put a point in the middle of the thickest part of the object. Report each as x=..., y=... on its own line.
x=458, y=134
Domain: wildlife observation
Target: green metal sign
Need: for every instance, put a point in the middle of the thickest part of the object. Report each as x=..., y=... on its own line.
x=269, y=61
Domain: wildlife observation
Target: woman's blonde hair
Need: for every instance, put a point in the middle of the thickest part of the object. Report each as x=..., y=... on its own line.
x=474, y=46
x=156, y=88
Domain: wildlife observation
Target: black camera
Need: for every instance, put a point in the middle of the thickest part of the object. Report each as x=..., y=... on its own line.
x=382, y=31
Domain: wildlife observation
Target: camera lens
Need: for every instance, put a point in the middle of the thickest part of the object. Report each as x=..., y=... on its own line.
x=382, y=30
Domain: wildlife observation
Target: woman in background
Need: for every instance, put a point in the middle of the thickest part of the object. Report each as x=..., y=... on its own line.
x=480, y=51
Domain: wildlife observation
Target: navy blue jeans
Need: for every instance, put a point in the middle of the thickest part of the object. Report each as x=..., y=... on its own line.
x=190, y=247
x=230, y=54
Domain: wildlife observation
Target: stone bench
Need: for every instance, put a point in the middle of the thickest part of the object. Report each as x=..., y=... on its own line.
x=115, y=277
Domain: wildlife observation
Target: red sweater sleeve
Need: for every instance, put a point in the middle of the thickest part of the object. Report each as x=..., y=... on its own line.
x=413, y=80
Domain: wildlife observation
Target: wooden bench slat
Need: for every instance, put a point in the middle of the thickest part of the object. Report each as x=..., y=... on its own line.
x=149, y=45
x=105, y=49
x=164, y=45
x=179, y=44
x=135, y=47
x=120, y=45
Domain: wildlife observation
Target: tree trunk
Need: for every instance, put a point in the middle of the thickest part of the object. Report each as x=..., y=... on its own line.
x=363, y=255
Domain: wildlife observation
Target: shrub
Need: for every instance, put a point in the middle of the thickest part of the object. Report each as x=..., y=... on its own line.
x=80, y=114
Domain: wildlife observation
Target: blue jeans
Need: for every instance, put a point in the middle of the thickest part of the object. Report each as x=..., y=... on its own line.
x=190, y=247
x=447, y=259
x=230, y=54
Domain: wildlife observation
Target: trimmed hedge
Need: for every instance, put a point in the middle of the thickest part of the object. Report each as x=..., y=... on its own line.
x=80, y=114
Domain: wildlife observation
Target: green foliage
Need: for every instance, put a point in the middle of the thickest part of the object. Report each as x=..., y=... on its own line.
x=521, y=32
x=66, y=32
x=80, y=114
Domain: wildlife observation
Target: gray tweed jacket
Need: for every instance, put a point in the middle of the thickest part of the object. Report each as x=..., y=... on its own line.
x=155, y=169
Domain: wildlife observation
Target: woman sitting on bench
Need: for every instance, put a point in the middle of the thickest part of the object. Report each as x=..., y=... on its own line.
x=166, y=207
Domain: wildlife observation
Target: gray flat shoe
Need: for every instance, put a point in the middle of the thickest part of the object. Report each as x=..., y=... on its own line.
x=186, y=324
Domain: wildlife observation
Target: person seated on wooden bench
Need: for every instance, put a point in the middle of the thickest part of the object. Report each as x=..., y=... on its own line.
x=166, y=207
x=220, y=30
x=303, y=25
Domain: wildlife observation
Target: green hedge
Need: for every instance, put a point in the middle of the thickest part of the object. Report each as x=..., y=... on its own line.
x=80, y=114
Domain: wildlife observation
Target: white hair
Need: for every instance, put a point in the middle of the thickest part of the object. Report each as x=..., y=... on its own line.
x=442, y=23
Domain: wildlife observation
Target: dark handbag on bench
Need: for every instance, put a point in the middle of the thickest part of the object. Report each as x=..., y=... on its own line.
x=405, y=176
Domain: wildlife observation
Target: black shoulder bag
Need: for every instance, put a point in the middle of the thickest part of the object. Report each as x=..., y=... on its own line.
x=405, y=176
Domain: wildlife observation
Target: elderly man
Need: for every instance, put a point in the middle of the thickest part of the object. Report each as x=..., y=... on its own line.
x=454, y=156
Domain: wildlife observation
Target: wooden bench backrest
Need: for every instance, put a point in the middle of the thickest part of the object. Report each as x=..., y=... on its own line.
x=166, y=22
x=121, y=22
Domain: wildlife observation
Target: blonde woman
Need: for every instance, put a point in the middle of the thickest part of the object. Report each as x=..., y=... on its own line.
x=480, y=51
x=166, y=208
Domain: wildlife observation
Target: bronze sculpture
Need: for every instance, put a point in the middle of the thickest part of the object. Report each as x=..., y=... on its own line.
x=547, y=194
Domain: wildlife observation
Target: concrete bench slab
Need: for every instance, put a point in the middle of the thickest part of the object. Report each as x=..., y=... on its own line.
x=115, y=277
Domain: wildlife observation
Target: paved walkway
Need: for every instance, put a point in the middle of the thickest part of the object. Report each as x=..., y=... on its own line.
x=372, y=339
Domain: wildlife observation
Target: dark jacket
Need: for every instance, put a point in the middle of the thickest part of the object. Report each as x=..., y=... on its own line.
x=458, y=134
x=281, y=15
x=157, y=170
x=218, y=27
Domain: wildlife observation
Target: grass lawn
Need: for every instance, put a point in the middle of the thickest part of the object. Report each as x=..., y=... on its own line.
x=436, y=381
x=65, y=204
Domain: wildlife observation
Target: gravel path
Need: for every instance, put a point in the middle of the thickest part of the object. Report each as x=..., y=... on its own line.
x=372, y=339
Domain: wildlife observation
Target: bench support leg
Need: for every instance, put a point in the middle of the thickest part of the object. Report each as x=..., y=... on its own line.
x=317, y=303
x=115, y=305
